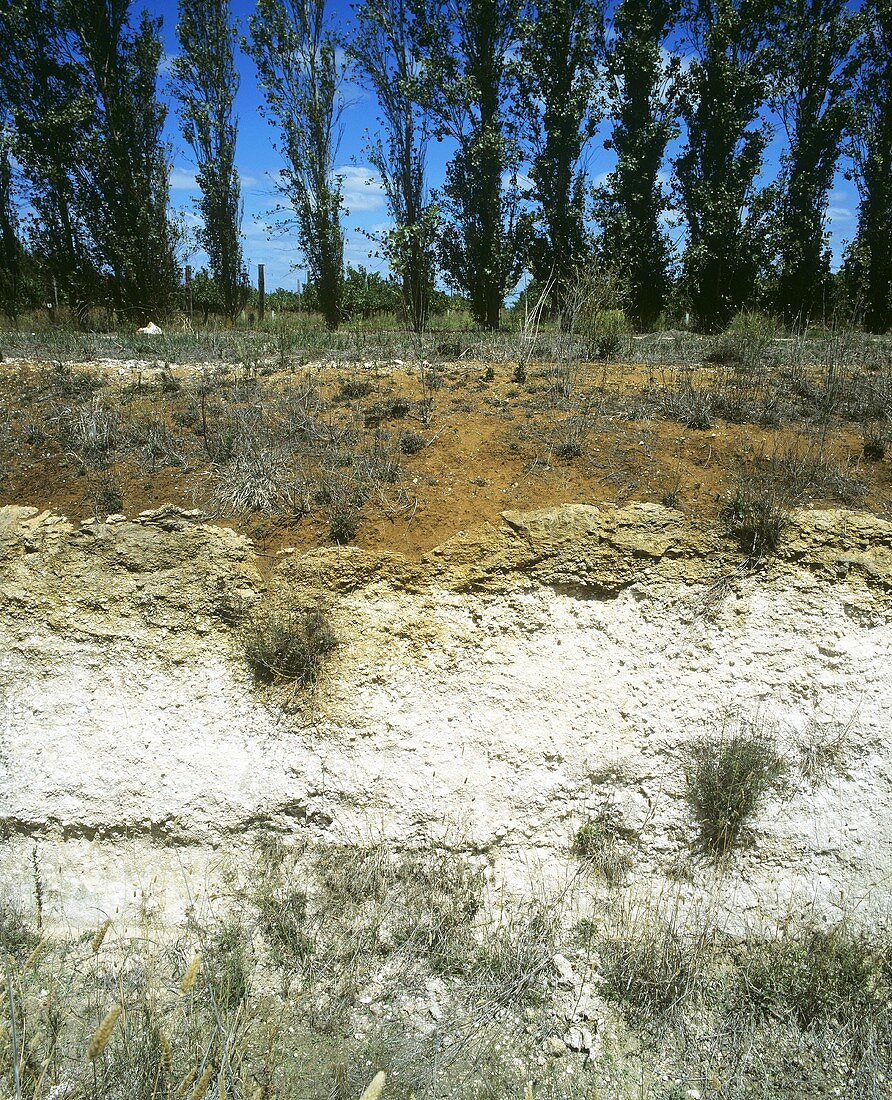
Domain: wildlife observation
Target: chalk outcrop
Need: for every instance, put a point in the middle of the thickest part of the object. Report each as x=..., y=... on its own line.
x=490, y=696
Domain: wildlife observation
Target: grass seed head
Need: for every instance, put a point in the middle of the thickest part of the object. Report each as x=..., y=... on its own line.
x=96, y=942
x=183, y=1086
x=103, y=1033
x=191, y=974
x=203, y=1082
x=376, y=1086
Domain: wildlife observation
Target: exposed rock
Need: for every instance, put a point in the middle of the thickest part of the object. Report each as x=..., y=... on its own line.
x=580, y=1040
x=489, y=698
x=566, y=976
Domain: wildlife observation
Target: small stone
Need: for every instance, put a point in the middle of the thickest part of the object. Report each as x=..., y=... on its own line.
x=555, y=1046
x=564, y=968
x=579, y=1039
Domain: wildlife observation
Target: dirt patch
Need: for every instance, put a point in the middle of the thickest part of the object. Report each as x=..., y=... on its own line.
x=398, y=458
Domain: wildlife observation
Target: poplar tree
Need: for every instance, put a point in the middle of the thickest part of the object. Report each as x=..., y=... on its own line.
x=869, y=262
x=295, y=55
x=470, y=86
x=50, y=113
x=122, y=176
x=643, y=100
x=722, y=94
x=810, y=93
x=561, y=42
x=386, y=52
x=206, y=81
x=11, y=265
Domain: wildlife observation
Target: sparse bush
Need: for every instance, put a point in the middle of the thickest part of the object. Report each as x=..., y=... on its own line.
x=602, y=331
x=727, y=779
x=602, y=843
x=108, y=498
x=816, y=974
x=514, y=959
x=353, y=389
x=343, y=521
x=689, y=406
x=650, y=967
x=288, y=643
x=803, y=472
x=756, y=516
x=821, y=749
x=412, y=442
x=876, y=441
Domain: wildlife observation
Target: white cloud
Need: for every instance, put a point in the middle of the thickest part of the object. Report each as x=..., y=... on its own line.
x=361, y=187
x=839, y=213
x=182, y=179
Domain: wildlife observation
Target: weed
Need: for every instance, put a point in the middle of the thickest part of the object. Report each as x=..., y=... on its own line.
x=108, y=498
x=756, y=516
x=876, y=440
x=602, y=843
x=343, y=521
x=727, y=779
x=815, y=974
x=412, y=442
x=514, y=959
x=287, y=643
x=689, y=406
x=821, y=750
x=650, y=966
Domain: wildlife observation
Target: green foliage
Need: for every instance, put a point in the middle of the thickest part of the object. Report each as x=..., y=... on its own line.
x=643, y=95
x=300, y=73
x=602, y=330
x=602, y=843
x=811, y=81
x=727, y=779
x=385, y=50
x=652, y=969
x=122, y=173
x=721, y=96
x=869, y=260
x=368, y=292
x=560, y=41
x=815, y=975
x=44, y=89
x=288, y=644
x=756, y=515
x=469, y=84
x=11, y=251
x=206, y=82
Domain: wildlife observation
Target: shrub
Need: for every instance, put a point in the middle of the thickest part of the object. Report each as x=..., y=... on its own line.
x=756, y=516
x=108, y=498
x=876, y=440
x=288, y=644
x=815, y=974
x=726, y=781
x=601, y=843
x=343, y=522
x=412, y=442
x=602, y=331
x=650, y=967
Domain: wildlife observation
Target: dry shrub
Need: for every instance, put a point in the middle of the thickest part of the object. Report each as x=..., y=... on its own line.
x=728, y=776
x=288, y=643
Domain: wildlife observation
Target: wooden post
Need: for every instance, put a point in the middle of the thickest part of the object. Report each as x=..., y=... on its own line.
x=189, y=292
x=55, y=297
x=261, y=293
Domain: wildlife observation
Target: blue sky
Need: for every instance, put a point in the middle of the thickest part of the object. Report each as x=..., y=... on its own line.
x=258, y=164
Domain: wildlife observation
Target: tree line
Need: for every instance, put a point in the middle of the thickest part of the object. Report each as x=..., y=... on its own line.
x=521, y=88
